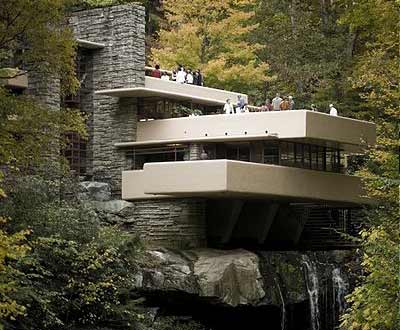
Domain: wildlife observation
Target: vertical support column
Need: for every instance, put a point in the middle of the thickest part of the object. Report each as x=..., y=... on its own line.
x=119, y=64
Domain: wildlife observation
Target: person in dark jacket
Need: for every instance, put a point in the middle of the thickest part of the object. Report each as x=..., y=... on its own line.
x=199, y=78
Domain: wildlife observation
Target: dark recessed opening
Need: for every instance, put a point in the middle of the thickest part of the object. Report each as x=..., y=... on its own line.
x=226, y=133
x=206, y=134
x=245, y=133
x=266, y=132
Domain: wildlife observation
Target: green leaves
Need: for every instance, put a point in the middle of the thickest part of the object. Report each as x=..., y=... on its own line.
x=78, y=272
x=33, y=34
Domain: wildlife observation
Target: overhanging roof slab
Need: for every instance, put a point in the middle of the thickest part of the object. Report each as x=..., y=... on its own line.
x=235, y=179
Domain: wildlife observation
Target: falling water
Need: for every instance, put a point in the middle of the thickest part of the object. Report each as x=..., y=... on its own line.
x=283, y=319
x=313, y=290
x=340, y=289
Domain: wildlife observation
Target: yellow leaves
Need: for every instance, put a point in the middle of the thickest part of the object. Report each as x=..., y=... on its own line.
x=11, y=247
x=212, y=36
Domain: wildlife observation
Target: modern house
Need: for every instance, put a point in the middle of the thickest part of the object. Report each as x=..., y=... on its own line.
x=272, y=179
x=258, y=173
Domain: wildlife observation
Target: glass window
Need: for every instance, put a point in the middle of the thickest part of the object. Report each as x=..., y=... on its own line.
x=287, y=153
x=271, y=153
x=244, y=153
x=136, y=158
x=307, y=156
x=232, y=153
x=314, y=157
x=321, y=159
x=298, y=148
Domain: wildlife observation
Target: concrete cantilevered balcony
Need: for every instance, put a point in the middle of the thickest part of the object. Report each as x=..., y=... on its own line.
x=155, y=87
x=241, y=180
x=17, y=79
x=308, y=126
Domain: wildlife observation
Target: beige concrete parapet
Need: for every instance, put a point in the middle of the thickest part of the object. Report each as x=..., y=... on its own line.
x=235, y=179
x=193, y=90
x=155, y=87
x=348, y=134
x=19, y=79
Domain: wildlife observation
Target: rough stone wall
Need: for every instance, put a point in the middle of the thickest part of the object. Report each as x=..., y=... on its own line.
x=86, y=105
x=46, y=90
x=171, y=223
x=120, y=64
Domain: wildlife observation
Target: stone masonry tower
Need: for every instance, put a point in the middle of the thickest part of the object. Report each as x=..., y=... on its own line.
x=118, y=62
x=112, y=42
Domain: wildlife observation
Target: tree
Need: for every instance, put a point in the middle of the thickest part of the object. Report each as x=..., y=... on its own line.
x=34, y=37
x=12, y=248
x=375, y=75
x=27, y=129
x=306, y=49
x=78, y=272
x=212, y=36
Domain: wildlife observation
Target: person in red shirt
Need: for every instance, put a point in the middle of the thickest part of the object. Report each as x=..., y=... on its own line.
x=156, y=73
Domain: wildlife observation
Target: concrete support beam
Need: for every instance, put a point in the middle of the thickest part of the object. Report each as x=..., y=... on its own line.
x=223, y=216
x=255, y=221
x=266, y=222
x=287, y=227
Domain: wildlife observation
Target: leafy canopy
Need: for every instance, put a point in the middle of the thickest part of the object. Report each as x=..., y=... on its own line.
x=78, y=272
x=34, y=36
x=375, y=75
x=212, y=36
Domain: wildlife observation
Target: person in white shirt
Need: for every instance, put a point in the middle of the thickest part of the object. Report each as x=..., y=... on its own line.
x=189, y=77
x=164, y=76
x=332, y=110
x=181, y=76
x=276, y=102
x=228, y=108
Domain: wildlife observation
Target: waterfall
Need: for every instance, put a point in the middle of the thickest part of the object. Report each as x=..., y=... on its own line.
x=340, y=289
x=283, y=317
x=311, y=279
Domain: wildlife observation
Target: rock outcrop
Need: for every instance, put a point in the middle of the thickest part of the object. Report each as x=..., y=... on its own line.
x=94, y=191
x=232, y=278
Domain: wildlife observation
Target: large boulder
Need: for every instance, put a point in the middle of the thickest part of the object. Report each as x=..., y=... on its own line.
x=94, y=191
x=225, y=277
x=232, y=276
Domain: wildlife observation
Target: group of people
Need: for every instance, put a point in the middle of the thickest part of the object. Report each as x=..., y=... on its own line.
x=180, y=75
x=239, y=107
x=278, y=103
x=287, y=103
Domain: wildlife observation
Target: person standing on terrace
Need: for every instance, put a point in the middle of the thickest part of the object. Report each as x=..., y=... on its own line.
x=228, y=108
x=285, y=104
x=332, y=110
x=199, y=78
x=276, y=102
x=173, y=76
x=240, y=104
x=291, y=103
x=189, y=77
x=181, y=76
x=156, y=73
x=164, y=76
